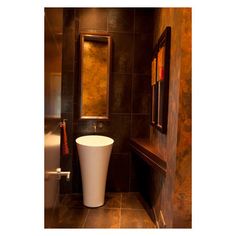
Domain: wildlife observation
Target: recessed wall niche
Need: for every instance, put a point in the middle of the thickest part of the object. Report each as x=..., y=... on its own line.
x=95, y=57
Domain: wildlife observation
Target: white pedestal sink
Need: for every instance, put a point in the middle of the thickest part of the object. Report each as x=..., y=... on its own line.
x=94, y=155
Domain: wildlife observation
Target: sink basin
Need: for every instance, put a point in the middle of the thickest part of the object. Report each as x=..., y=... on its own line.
x=94, y=141
x=94, y=156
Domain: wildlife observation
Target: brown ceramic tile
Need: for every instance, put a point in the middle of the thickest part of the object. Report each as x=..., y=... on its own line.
x=143, y=46
x=68, y=49
x=68, y=45
x=132, y=200
x=68, y=17
x=140, y=126
x=68, y=217
x=120, y=94
x=120, y=131
x=92, y=18
x=121, y=19
x=103, y=218
x=76, y=81
x=122, y=55
x=67, y=105
x=76, y=110
x=77, y=38
x=112, y=200
x=77, y=180
x=86, y=127
x=135, y=219
x=144, y=20
x=72, y=201
x=67, y=85
x=72, y=214
x=141, y=91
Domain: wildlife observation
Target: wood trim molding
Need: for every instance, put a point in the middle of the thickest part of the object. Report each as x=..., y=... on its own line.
x=149, y=154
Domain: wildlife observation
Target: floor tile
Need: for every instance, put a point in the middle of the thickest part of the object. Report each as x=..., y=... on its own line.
x=132, y=200
x=121, y=210
x=103, y=218
x=131, y=218
x=112, y=200
x=68, y=217
x=72, y=200
x=70, y=212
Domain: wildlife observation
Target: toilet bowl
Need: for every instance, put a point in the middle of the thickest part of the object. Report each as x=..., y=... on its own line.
x=94, y=155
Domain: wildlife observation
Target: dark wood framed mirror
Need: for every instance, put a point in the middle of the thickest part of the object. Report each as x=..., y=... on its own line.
x=154, y=91
x=160, y=81
x=163, y=67
x=95, y=62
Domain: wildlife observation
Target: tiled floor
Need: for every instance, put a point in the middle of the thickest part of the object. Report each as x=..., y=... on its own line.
x=121, y=210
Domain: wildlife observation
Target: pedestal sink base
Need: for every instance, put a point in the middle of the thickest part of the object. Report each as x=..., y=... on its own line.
x=94, y=159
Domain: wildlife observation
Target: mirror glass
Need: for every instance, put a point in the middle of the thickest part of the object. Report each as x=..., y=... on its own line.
x=95, y=75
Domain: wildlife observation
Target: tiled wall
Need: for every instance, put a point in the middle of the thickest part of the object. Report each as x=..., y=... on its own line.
x=173, y=196
x=131, y=31
x=67, y=92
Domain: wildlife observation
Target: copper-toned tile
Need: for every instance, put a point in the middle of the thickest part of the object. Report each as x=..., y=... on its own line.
x=132, y=200
x=92, y=18
x=142, y=46
x=140, y=126
x=103, y=218
x=70, y=213
x=141, y=91
x=135, y=219
x=122, y=59
x=120, y=100
x=121, y=19
x=72, y=201
x=68, y=217
x=112, y=200
x=144, y=20
x=120, y=132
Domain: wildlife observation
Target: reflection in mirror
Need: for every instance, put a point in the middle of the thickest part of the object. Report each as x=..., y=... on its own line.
x=95, y=73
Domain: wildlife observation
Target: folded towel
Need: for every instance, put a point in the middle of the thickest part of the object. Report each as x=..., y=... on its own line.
x=65, y=148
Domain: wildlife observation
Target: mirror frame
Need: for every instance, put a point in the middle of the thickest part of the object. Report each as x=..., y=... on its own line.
x=159, y=104
x=163, y=82
x=82, y=39
x=153, y=90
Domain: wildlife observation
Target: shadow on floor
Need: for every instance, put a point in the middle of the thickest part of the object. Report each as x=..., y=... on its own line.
x=121, y=210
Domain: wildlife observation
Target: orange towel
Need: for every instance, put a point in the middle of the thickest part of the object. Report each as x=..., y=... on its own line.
x=65, y=148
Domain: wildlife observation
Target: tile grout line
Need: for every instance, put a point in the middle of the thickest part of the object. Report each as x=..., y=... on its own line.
x=85, y=219
x=134, y=209
x=120, y=218
x=120, y=209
